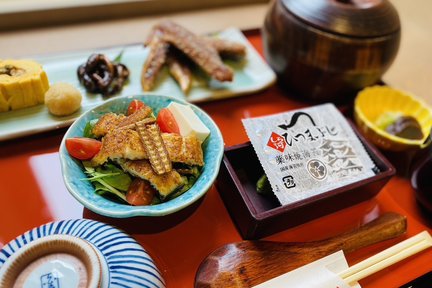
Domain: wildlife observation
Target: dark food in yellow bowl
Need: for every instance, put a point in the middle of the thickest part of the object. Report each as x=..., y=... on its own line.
x=392, y=119
x=406, y=127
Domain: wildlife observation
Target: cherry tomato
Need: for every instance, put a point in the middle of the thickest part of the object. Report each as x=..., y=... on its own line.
x=83, y=148
x=167, y=122
x=134, y=106
x=140, y=193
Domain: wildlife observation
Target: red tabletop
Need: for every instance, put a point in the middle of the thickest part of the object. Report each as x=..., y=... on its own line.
x=33, y=193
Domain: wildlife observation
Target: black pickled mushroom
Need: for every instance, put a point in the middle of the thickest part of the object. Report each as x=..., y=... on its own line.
x=100, y=75
x=406, y=127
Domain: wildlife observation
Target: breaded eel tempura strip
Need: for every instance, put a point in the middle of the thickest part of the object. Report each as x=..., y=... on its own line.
x=165, y=183
x=155, y=148
x=106, y=123
x=111, y=121
x=139, y=115
x=127, y=144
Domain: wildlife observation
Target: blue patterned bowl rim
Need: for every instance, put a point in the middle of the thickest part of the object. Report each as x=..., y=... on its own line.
x=129, y=265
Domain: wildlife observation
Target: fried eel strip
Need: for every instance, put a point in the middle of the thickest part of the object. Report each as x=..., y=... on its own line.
x=165, y=183
x=111, y=121
x=196, y=48
x=181, y=73
x=139, y=115
x=108, y=122
x=126, y=144
x=154, y=62
x=155, y=149
x=227, y=48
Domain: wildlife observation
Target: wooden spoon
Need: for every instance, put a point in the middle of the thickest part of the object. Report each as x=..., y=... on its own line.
x=249, y=263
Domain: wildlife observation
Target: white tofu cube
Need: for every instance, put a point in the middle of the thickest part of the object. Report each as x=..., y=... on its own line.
x=188, y=121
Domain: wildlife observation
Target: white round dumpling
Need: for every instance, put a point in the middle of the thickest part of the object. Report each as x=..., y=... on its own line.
x=63, y=99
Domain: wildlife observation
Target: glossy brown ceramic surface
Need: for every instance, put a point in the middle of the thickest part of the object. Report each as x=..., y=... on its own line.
x=329, y=55
x=421, y=181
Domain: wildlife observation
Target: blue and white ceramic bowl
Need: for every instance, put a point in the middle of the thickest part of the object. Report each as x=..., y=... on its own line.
x=122, y=261
x=83, y=191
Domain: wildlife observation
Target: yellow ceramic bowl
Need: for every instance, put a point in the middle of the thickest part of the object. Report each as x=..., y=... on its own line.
x=372, y=102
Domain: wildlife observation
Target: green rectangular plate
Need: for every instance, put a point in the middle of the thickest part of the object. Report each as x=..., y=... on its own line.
x=252, y=74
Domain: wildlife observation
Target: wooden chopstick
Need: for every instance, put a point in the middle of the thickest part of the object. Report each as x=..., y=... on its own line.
x=387, y=257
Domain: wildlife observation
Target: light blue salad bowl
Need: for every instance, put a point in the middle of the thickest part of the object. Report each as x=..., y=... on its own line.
x=74, y=176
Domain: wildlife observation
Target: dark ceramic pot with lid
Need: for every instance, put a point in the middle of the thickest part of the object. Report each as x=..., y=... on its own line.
x=327, y=50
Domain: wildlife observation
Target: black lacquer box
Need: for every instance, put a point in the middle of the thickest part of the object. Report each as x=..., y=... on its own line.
x=257, y=216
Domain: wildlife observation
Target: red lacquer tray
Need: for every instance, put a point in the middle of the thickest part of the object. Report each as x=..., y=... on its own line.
x=33, y=193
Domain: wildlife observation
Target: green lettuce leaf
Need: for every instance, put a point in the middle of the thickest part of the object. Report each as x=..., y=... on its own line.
x=109, y=179
x=88, y=129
